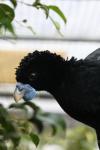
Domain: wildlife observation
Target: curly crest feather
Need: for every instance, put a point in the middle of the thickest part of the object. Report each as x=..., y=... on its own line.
x=44, y=61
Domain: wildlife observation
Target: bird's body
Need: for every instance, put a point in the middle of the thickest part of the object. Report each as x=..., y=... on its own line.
x=75, y=84
x=79, y=94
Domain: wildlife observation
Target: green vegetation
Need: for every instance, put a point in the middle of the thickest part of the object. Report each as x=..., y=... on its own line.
x=41, y=129
x=81, y=138
x=15, y=130
x=7, y=15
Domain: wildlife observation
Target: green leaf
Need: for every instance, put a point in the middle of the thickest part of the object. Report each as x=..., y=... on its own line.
x=1, y=29
x=60, y=121
x=11, y=131
x=6, y=14
x=57, y=25
x=10, y=28
x=55, y=121
x=14, y=2
x=62, y=124
x=38, y=5
x=46, y=10
x=20, y=105
x=59, y=12
x=35, y=139
x=45, y=118
x=33, y=106
x=38, y=123
x=36, y=2
x=3, y=145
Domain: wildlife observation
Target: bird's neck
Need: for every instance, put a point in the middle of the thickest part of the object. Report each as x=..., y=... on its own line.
x=60, y=93
x=66, y=102
x=63, y=94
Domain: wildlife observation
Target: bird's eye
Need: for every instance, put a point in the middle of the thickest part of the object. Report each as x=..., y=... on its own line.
x=33, y=74
x=32, y=77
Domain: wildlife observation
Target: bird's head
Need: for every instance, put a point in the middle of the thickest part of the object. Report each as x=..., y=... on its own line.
x=38, y=71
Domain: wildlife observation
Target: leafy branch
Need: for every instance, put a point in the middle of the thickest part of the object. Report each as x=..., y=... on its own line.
x=6, y=17
x=15, y=128
x=7, y=14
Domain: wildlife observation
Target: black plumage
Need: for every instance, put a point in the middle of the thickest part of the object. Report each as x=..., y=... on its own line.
x=75, y=84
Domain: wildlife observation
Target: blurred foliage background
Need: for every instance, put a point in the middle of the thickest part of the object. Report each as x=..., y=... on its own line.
x=42, y=130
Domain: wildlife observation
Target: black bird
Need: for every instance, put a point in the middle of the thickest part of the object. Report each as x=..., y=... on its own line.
x=75, y=84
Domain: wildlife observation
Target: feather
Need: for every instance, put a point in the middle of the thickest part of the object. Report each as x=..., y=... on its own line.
x=95, y=55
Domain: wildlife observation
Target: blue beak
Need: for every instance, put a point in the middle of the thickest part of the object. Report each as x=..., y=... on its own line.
x=24, y=91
